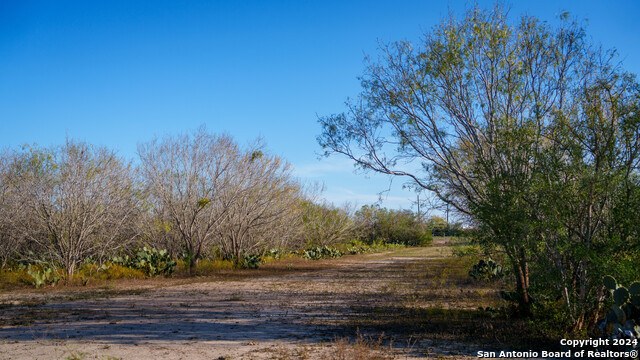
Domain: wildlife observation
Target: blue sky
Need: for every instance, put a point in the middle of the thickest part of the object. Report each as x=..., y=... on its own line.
x=117, y=73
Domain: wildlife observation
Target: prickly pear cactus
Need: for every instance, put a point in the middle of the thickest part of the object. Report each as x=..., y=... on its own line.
x=487, y=270
x=251, y=261
x=324, y=252
x=623, y=319
x=150, y=260
x=42, y=275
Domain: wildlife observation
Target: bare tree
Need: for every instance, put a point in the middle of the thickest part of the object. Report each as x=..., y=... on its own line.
x=81, y=201
x=11, y=209
x=187, y=176
x=264, y=205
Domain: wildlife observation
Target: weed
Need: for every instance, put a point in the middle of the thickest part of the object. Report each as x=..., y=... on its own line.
x=469, y=250
x=361, y=348
x=73, y=354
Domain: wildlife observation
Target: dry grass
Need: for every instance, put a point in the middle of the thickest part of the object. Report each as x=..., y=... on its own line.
x=342, y=348
x=436, y=299
x=360, y=348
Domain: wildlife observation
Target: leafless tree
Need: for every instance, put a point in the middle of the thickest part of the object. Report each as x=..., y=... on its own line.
x=11, y=209
x=187, y=176
x=264, y=205
x=80, y=201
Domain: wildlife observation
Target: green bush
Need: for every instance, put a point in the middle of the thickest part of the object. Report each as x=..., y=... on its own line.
x=392, y=227
x=206, y=266
x=358, y=248
x=14, y=277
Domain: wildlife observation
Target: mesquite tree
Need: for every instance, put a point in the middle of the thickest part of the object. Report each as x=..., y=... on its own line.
x=264, y=202
x=480, y=105
x=78, y=201
x=11, y=210
x=326, y=224
x=187, y=176
x=585, y=218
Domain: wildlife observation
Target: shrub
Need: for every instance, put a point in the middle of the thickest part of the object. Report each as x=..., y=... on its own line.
x=206, y=266
x=392, y=227
x=272, y=253
x=357, y=248
x=107, y=271
x=15, y=276
x=116, y=271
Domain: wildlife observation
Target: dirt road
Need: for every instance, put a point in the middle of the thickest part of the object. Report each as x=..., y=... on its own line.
x=295, y=314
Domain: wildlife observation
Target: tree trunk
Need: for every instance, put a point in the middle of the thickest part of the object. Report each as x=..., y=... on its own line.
x=522, y=285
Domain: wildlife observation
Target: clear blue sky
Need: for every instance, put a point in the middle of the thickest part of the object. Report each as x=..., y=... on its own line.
x=116, y=73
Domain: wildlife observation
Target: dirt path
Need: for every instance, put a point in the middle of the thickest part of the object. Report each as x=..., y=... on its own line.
x=291, y=315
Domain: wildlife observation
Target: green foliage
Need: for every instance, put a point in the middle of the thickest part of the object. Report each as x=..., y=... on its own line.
x=107, y=271
x=324, y=252
x=245, y=261
x=392, y=227
x=358, y=247
x=273, y=253
x=487, y=270
x=610, y=282
x=251, y=261
x=545, y=163
x=42, y=275
x=149, y=260
x=468, y=250
x=509, y=296
x=115, y=271
x=623, y=319
x=203, y=202
x=325, y=224
x=14, y=277
x=492, y=311
x=440, y=227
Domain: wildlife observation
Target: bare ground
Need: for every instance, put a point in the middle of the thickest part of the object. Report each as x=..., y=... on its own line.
x=404, y=304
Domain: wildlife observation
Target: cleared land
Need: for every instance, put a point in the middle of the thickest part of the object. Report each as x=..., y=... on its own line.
x=407, y=303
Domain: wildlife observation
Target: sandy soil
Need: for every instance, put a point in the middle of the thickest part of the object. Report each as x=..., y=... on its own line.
x=286, y=316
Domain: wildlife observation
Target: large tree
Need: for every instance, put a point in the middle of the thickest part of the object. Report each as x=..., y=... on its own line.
x=583, y=213
x=263, y=205
x=189, y=177
x=11, y=210
x=74, y=201
x=479, y=105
